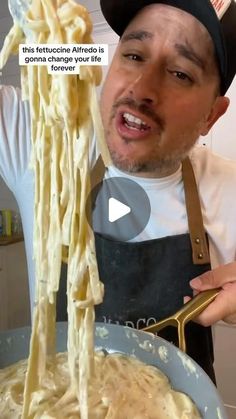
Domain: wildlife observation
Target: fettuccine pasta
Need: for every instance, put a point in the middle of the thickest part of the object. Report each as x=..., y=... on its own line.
x=64, y=113
x=122, y=388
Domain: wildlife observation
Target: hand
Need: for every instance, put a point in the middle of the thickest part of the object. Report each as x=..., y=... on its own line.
x=224, y=305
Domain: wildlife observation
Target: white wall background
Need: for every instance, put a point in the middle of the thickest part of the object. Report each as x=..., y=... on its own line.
x=221, y=139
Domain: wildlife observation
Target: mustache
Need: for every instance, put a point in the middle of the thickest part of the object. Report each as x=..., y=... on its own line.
x=141, y=107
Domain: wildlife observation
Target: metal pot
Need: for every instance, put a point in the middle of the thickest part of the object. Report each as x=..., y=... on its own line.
x=184, y=373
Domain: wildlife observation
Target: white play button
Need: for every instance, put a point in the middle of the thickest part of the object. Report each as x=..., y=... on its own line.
x=117, y=210
x=120, y=208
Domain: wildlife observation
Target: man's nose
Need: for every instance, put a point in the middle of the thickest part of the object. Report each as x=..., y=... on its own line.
x=143, y=88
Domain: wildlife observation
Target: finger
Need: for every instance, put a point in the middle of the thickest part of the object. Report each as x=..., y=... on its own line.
x=222, y=308
x=215, y=278
x=187, y=299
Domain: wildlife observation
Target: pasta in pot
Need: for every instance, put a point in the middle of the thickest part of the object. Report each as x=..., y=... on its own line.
x=64, y=113
x=122, y=388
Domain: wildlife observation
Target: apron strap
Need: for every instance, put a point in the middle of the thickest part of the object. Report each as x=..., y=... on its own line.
x=196, y=229
x=98, y=172
x=194, y=213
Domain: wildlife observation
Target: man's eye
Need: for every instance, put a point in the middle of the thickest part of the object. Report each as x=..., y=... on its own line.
x=181, y=76
x=133, y=57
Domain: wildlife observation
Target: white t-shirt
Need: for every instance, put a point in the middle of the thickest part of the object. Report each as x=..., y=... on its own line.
x=215, y=176
x=15, y=148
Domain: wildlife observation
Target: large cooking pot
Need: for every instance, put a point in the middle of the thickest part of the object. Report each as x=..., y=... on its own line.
x=184, y=374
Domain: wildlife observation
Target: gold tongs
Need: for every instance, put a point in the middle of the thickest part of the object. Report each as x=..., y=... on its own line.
x=190, y=310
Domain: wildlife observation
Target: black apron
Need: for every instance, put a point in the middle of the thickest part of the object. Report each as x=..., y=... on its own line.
x=147, y=281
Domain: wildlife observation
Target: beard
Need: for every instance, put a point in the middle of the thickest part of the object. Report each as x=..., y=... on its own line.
x=157, y=161
x=158, y=166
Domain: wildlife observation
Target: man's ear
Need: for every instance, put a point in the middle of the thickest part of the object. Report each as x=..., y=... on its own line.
x=219, y=107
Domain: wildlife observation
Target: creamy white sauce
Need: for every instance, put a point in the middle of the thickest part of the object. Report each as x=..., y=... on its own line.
x=102, y=332
x=163, y=353
x=122, y=388
x=147, y=346
x=188, y=364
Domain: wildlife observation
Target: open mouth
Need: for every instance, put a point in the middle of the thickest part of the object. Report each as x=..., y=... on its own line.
x=134, y=123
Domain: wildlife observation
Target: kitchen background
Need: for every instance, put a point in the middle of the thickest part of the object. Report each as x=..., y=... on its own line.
x=14, y=307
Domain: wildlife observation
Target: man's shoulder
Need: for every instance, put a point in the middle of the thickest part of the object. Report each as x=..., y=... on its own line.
x=208, y=165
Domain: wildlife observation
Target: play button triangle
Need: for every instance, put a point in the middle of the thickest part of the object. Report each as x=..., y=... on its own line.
x=120, y=209
x=117, y=210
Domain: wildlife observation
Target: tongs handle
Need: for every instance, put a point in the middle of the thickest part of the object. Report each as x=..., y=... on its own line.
x=189, y=311
x=195, y=306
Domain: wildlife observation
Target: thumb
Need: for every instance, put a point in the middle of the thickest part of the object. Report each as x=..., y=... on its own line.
x=215, y=278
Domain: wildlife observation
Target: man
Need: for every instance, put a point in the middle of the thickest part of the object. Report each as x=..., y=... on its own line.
x=165, y=87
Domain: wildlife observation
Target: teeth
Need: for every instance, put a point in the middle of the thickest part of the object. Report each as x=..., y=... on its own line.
x=131, y=118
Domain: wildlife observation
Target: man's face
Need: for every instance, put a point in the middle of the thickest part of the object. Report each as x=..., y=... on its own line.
x=160, y=92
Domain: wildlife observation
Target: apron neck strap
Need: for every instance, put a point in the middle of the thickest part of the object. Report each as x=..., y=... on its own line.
x=97, y=172
x=195, y=222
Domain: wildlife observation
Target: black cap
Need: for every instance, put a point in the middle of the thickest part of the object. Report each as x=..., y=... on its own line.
x=118, y=14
